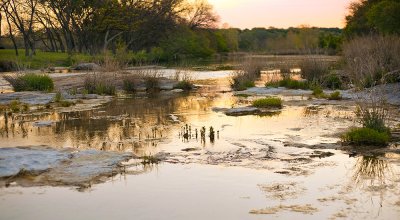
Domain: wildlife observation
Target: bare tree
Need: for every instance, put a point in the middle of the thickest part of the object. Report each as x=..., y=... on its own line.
x=201, y=15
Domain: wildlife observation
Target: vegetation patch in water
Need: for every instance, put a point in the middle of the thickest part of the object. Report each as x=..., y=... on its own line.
x=269, y=102
x=366, y=136
x=289, y=83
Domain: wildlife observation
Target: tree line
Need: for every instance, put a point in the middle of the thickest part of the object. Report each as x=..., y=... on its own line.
x=159, y=30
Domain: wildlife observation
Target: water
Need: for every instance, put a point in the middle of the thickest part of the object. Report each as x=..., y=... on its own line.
x=285, y=163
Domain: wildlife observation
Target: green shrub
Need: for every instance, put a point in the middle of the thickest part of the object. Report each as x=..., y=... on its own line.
x=269, y=102
x=366, y=136
x=184, y=85
x=241, y=83
x=333, y=81
x=30, y=82
x=317, y=91
x=289, y=83
x=373, y=118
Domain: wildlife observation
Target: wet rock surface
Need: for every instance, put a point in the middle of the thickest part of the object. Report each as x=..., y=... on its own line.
x=48, y=166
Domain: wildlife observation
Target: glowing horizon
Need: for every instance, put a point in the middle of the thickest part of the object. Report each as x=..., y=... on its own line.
x=281, y=13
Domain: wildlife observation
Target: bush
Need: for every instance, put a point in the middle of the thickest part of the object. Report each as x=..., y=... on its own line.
x=30, y=82
x=370, y=58
x=373, y=117
x=96, y=84
x=129, y=85
x=366, y=136
x=333, y=81
x=270, y=102
x=317, y=91
x=289, y=83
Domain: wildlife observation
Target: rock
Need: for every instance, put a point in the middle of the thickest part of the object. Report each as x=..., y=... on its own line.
x=43, y=123
x=60, y=167
x=242, y=111
x=87, y=66
x=32, y=98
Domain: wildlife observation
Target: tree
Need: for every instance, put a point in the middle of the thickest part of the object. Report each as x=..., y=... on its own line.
x=373, y=16
x=200, y=15
x=21, y=14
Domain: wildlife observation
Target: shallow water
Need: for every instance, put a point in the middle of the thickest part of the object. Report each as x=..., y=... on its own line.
x=284, y=163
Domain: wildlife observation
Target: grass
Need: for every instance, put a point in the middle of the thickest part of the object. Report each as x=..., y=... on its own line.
x=335, y=96
x=269, y=102
x=129, y=85
x=31, y=82
x=366, y=136
x=289, y=83
x=42, y=59
x=96, y=84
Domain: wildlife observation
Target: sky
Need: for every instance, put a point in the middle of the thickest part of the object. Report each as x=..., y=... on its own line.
x=281, y=13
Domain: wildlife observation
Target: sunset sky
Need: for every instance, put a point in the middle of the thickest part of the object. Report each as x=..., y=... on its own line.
x=281, y=13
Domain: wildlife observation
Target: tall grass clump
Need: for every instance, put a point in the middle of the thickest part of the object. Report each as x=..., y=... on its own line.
x=370, y=60
x=247, y=73
x=366, y=136
x=30, y=82
x=184, y=78
x=98, y=84
x=289, y=83
x=269, y=102
x=373, y=115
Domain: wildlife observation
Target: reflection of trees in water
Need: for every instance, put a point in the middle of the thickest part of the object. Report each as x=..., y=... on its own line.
x=372, y=169
x=120, y=125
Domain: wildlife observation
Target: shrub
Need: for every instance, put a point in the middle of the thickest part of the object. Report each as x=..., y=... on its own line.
x=269, y=102
x=317, y=91
x=289, y=83
x=369, y=58
x=30, y=82
x=100, y=85
x=373, y=117
x=129, y=85
x=366, y=136
x=333, y=81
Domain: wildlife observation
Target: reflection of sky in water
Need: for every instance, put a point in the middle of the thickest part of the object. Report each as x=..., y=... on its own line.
x=144, y=125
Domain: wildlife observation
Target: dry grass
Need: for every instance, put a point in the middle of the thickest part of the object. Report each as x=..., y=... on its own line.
x=370, y=58
x=249, y=70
